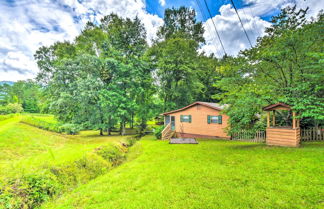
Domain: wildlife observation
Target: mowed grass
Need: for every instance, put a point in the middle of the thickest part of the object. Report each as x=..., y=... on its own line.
x=27, y=149
x=212, y=174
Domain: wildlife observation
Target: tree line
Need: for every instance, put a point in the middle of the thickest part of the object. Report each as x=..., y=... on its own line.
x=109, y=76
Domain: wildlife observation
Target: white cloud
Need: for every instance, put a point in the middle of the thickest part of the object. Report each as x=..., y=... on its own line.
x=162, y=2
x=230, y=29
x=25, y=26
x=231, y=32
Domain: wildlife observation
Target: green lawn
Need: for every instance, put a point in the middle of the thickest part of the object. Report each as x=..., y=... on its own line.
x=25, y=149
x=212, y=174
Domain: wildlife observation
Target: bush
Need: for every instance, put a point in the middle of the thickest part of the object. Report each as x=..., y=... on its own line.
x=11, y=108
x=56, y=127
x=158, y=132
x=69, y=128
x=28, y=191
x=81, y=171
x=112, y=154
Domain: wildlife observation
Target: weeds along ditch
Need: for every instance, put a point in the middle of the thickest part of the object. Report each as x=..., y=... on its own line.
x=31, y=190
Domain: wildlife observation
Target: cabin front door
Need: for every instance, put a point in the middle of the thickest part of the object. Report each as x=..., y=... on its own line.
x=173, y=123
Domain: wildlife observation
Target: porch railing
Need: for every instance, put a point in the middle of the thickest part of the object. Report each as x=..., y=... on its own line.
x=167, y=132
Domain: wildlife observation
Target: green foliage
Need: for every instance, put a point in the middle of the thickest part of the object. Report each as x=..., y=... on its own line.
x=108, y=79
x=26, y=93
x=181, y=23
x=69, y=128
x=158, y=132
x=286, y=65
x=80, y=171
x=11, y=108
x=29, y=191
x=112, y=154
x=55, y=126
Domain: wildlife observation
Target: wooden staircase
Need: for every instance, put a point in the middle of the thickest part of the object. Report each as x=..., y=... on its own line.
x=167, y=132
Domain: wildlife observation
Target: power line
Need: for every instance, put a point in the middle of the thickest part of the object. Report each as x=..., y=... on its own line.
x=207, y=26
x=241, y=23
x=255, y=32
x=220, y=40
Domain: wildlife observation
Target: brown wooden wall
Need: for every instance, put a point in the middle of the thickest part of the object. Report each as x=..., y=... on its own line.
x=283, y=137
x=199, y=125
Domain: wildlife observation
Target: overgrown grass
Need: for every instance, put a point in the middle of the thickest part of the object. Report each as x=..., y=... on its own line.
x=48, y=122
x=38, y=162
x=212, y=174
x=5, y=117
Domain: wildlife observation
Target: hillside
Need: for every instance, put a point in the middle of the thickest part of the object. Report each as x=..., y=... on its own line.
x=212, y=174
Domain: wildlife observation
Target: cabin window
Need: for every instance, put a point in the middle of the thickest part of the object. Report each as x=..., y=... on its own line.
x=214, y=119
x=185, y=118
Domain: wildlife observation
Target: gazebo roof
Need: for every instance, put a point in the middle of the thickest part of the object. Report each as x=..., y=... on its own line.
x=277, y=106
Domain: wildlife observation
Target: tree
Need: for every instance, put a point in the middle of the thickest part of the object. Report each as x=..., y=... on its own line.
x=175, y=61
x=285, y=66
x=175, y=56
x=98, y=80
x=181, y=23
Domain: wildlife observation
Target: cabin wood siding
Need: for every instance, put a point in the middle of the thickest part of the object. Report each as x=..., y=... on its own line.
x=283, y=137
x=199, y=124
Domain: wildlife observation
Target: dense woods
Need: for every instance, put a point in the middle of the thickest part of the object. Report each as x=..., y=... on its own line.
x=109, y=76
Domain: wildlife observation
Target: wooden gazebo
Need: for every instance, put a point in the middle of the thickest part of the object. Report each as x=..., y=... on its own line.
x=288, y=136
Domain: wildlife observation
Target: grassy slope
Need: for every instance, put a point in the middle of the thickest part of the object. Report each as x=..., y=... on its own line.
x=213, y=174
x=24, y=148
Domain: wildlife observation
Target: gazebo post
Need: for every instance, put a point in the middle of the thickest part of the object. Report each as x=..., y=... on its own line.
x=273, y=118
x=268, y=119
x=294, y=120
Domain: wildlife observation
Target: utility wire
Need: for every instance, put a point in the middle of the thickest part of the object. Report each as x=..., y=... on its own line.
x=220, y=40
x=255, y=32
x=207, y=26
x=241, y=23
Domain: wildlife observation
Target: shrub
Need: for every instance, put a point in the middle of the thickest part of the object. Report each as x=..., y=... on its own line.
x=11, y=108
x=50, y=126
x=81, y=171
x=112, y=154
x=158, y=132
x=28, y=191
x=69, y=128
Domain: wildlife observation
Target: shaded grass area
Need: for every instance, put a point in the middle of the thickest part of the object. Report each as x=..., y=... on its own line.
x=212, y=174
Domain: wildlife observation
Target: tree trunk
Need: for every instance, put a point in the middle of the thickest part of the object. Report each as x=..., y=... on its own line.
x=123, y=129
x=109, y=131
x=101, y=132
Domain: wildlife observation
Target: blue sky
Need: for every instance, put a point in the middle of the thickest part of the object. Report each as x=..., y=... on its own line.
x=25, y=25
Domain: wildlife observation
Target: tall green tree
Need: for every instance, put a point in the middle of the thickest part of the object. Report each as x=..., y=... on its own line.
x=101, y=79
x=181, y=23
x=175, y=58
x=286, y=65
